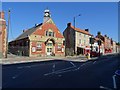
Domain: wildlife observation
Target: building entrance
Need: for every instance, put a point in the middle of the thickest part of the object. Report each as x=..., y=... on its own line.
x=50, y=48
x=80, y=51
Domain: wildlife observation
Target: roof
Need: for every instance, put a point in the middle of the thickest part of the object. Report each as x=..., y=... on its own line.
x=82, y=31
x=28, y=32
x=96, y=38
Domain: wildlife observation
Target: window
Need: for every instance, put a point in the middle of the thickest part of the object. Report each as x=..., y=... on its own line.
x=84, y=42
x=50, y=49
x=79, y=41
x=96, y=48
x=49, y=44
x=49, y=33
x=47, y=49
x=59, y=48
x=26, y=43
x=46, y=33
x=84, y=35
x=80, y=34
x=39, y=47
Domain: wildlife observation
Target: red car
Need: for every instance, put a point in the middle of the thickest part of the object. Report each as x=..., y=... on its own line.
x=95, y=54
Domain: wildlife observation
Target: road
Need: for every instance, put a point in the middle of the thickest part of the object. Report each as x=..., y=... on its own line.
x=62, y=74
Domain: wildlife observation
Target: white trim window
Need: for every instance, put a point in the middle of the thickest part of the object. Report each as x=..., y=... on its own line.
x=79, y=41
x=50, y=33
x=59, y=48
x=39, y=47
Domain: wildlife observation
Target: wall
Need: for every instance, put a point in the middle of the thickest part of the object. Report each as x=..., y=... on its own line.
x=69, y=35
x=3, y=35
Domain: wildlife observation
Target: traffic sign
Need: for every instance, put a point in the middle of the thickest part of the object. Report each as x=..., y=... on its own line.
x=117, y=72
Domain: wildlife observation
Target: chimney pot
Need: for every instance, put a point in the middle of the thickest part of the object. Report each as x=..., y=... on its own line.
x=105, y=35
x=87, y=30
x=69, y=24
x=2, y=14
x=24, y=30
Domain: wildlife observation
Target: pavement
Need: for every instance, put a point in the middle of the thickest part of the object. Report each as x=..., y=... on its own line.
x=14, y=59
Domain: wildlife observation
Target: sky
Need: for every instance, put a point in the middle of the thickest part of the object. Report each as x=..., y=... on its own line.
x=95, y=16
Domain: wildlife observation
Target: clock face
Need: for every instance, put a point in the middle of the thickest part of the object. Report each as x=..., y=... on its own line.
x=46, y=14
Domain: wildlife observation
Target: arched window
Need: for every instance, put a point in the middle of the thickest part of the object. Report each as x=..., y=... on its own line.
x=46, y=33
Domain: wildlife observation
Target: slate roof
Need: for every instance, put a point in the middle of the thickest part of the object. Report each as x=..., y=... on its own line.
x=28, y=32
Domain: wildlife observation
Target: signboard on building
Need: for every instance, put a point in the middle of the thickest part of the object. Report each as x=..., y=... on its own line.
x=33, y=49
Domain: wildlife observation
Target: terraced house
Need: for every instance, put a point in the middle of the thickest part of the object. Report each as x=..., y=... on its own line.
x=41, y=40
x=107, y=43
x=77, y=41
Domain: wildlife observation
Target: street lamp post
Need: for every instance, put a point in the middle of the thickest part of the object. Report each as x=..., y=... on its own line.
x=74, y=27
x=75, y=18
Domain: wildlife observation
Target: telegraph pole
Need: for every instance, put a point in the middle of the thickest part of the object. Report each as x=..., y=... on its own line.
x=7, y=33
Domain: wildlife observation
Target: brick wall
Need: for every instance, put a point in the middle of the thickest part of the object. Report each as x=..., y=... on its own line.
x=3, y=35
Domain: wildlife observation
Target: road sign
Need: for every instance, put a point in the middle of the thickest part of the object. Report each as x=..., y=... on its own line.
x=117, y=72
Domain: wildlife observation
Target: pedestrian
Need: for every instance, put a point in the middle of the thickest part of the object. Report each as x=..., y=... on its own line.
x=88, y=55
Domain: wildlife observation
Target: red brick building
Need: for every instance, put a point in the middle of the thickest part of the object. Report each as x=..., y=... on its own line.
x=3, y=35
x=41, y=40
x=107, y=43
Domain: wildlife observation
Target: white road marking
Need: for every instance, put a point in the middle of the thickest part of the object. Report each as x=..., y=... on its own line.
x=66, y=69
x=17, y=75
x=58, y=71
x=73, y=64
x=114, y=81
x=59, y=75
x=94, y=62
x=19, y=67
x=53, y=65
x=63, y=71
x=27, y=66
x=13, y=77
x=82, y=65
x=53, y=69
x=105, y=88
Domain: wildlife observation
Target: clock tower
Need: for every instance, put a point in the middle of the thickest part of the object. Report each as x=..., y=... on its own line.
x=46, y=15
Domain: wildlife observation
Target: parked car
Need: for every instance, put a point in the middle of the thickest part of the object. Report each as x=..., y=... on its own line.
x=95, y=54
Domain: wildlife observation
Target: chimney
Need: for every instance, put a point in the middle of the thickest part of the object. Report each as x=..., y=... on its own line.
x=24, y=31
x=99, y=33
x=87, y=30
x=2, y=14
x=69, y=24
x=105, y=35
